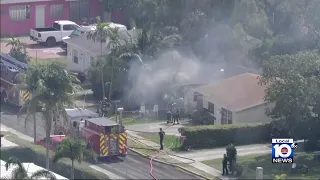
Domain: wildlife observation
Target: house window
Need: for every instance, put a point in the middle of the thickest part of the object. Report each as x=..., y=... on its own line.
x=19, y=13
x=211, y=107
x=196, y=96
x=79, y=10
x=226, y=116
x=69, y=27
x=57, y=10
x=75, y=56
x=3, y=11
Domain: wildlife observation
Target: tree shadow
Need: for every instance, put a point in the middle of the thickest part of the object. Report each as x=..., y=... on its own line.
x=40, y=46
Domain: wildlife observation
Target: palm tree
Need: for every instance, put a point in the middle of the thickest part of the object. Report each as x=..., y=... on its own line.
x=21, y=173
x=100, y=34
x=52, y=88
x=73, y=149
x=18, y=50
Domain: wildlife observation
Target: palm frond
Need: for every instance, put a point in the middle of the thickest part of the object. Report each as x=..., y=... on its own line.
x=18, y=173
x=43, y=173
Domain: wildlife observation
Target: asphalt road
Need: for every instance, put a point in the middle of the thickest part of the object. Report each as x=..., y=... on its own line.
x=133, y=166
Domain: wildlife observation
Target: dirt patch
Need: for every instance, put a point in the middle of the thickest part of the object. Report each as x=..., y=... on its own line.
x=36, y=50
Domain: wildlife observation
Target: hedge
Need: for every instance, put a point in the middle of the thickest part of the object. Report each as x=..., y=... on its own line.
x=221, y=135
x=27, y=152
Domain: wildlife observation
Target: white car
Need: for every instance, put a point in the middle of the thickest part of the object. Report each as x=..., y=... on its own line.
x=78, y=32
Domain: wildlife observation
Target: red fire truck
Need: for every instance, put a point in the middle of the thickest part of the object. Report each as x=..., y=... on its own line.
x=107, y=137
x=10, y=68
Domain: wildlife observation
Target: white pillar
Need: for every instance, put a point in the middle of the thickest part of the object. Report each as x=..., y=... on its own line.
x=259, y=173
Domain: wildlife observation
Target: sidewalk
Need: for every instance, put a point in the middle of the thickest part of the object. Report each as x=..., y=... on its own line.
x=207, y=154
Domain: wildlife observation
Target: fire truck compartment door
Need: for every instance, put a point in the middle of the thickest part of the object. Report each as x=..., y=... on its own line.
x=114, y=145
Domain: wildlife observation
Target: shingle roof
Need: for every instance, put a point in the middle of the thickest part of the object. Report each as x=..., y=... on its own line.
x=77, y=112
x=95, y=47
x=102, y=121
x=236, y=93
x=30, y=167
x=209, y=73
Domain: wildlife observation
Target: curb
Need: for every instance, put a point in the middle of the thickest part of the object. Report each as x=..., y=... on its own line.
x=162, y=162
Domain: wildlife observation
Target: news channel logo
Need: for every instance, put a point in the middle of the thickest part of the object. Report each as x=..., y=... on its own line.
x=283, y=150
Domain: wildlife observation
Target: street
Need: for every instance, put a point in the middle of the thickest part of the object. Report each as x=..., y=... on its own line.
x=133, y=166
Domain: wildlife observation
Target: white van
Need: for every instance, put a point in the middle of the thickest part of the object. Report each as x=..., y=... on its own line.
x=78, y=32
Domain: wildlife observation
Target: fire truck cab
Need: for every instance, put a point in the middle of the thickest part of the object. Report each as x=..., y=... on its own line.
x=10, y=68
x=106, y=137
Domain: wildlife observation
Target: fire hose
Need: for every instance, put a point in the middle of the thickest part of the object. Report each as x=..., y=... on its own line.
x=151, y=167
x=158, y=153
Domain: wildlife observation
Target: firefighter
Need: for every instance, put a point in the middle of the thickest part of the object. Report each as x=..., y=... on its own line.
x=104, y=107
x=224, y=165
x=169, y=116
x=161, y=136
x=176, y=116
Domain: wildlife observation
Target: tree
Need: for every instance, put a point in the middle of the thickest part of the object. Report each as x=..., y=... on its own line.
x=73, y=150
x=18, y=50
x=293, y=87
x=51, y=88
x=104, y=33
x=21, y=173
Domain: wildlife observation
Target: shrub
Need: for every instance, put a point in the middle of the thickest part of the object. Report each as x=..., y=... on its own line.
x=27, y=154
x=221, y=135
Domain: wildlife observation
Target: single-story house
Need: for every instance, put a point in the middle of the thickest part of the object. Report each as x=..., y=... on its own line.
x=208, y=74
x=30, y=167
x=235, y=100
x=83, y=51
x=19, y=16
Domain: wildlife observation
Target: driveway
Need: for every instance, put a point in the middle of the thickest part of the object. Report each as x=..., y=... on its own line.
x=169, y=129
x=36, y=50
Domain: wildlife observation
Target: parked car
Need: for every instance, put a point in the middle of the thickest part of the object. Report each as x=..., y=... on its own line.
x=55, y=141
x=52, y=35
x=78, y=32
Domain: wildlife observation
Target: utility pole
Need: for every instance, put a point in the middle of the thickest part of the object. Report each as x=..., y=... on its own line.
x=120, y=110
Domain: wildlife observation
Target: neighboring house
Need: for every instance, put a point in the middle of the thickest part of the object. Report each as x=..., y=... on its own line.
x=83, y=51
x=19, y=16
x=30, y=167
x=235, y=100
x=207, y=74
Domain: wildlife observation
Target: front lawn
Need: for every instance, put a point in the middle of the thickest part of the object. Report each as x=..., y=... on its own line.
x=169, y=141
x=270, y=170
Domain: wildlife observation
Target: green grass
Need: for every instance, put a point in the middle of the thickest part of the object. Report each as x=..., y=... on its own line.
x=169, y=141
x=40, y=60
x=28, y=152
x=134, y=121
x=270, y=170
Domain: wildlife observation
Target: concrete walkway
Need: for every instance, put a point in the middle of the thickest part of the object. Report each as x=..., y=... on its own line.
x=207, y=154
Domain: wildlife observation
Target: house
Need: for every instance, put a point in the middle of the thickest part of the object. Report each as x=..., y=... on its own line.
x=30, y=167
x=235, y=100
x=207, y=74
x=83, y=51
x=19, y=16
